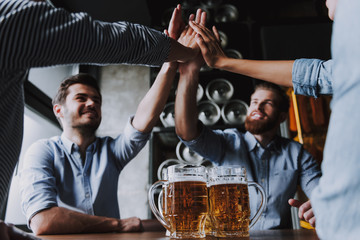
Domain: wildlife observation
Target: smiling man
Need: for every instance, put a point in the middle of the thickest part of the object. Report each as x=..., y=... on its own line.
x=69, y=183
x=276, y=163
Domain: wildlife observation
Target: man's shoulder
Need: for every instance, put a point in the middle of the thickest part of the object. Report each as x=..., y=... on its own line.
x=51, y=142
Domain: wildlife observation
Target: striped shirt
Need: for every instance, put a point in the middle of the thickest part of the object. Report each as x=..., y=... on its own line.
x=37, y=35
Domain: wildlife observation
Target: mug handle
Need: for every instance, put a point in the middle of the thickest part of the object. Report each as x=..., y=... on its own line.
x=263, y=203
x=153, y=206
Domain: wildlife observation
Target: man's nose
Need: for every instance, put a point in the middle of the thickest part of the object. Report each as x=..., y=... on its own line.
x=90, y=102
x=260, y=106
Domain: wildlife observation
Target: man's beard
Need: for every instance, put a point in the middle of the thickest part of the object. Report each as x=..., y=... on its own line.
x=260, y=126
x=88, y=128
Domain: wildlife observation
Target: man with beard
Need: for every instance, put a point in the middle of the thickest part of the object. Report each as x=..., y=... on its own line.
x=276, y=163
x=69, y=183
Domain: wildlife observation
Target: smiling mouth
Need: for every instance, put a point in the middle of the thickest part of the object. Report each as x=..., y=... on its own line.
x=257, y=116
x=90, y=113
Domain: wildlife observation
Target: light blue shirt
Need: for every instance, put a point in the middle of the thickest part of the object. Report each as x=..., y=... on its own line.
x=336, y=200
x=53, y=173
x=278, y=168
x=312, y=77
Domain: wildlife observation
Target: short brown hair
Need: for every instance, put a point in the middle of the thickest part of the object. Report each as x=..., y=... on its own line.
x=82, y=78
x=284, y=101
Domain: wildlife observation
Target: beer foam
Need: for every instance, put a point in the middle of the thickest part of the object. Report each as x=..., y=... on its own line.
x=226, y=180
x=187, y=179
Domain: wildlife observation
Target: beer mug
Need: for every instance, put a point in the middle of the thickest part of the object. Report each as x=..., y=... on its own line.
x=229, y=201
x=184, y=201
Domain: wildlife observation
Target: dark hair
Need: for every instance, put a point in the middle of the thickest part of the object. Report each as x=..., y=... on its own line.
x=82, y=78
x=284, y=101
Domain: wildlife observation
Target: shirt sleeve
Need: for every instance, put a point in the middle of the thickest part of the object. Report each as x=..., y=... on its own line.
x=209, y=144
x=312, y=77
x=36, y=35
x=310, y=172
x=37, y=180
x=127, y=145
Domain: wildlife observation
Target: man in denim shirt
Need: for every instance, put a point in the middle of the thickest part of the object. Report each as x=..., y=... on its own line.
x=69, y=183
x=276, y=163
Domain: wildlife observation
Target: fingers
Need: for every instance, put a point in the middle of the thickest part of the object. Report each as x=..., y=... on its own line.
x=312, y=221
x=176, y=23
x=132, y=224
x=202, y=45
x=216, y=33
x=203, y=18
x=198, y=15
x=294, y=203
x=305, y=210
x=205, y=33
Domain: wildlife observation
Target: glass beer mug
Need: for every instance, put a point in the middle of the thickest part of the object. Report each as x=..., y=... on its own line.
x=229, y=201
x=184, y=201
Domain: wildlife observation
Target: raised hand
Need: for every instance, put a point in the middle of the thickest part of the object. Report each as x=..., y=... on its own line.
x=209, y=43
x=305, y=210
x=176, y=24
x=188, y=38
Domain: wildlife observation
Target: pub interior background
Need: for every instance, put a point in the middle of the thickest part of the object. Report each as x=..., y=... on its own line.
x=257, y=29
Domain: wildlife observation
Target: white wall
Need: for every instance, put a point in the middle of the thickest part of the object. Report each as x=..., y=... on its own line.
x=122, y=88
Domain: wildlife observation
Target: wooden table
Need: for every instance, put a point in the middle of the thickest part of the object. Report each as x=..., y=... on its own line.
x=254, y=235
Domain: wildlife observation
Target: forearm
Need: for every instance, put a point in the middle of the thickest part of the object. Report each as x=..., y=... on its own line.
x=186, y=112
x=278, y=72
x=153, y=103
x=92, y=41
x=57, y=220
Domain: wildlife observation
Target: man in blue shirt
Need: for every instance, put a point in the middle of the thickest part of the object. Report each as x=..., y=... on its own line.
x=276, y=163
x=69, y=183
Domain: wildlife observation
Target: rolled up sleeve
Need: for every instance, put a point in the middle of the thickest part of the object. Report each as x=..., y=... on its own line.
x=37, y=181
x=312, y=77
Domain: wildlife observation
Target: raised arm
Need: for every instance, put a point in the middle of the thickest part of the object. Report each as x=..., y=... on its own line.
x=150, y=107
x=154, y=101
x=278, y=72
x=186, y=113
x=35, y=34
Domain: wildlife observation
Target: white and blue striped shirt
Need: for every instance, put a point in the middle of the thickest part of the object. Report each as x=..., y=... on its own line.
x=37, y=35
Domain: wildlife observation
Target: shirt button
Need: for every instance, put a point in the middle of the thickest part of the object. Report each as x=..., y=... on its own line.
x=84, y=174
x=262, y=180
x=258, y=144
x=87, y=195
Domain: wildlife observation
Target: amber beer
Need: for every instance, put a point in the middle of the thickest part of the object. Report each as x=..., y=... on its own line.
x=229, y=201
x=184, y=201
x=230, y=209
x=187, y=206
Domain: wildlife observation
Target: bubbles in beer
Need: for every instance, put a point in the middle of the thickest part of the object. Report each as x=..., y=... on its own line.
x=187, y=206
x=229, y=209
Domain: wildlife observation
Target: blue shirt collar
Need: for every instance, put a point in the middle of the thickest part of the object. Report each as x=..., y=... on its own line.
x=71, y=146
x=251, y=142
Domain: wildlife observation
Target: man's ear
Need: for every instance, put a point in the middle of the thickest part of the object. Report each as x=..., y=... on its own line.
x=57, y=110
x=283, y=116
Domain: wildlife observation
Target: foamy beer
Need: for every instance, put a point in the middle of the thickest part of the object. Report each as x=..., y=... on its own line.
x=184, y=201
x=229, y=201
